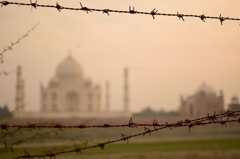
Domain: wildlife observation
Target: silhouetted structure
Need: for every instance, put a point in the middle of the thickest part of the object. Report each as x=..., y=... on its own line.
x=234, y=105
x=69, y=94
x=204, y=101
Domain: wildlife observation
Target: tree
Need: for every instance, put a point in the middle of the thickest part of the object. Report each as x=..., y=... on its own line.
x=4, y=112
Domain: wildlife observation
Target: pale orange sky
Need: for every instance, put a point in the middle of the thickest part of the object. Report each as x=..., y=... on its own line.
x=166, y=56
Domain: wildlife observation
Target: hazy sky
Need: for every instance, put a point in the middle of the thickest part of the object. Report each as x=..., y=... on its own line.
x=166, y=56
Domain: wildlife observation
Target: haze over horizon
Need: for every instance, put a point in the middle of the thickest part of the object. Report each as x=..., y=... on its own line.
x=166, y=57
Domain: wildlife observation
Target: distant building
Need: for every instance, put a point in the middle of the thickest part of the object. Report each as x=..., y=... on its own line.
x=204, y=101
x=234, y=105
x=68, y=95
x=68, y=91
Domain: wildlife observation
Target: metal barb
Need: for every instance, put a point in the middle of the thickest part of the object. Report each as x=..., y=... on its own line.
x=167, y=125
x=180, y=16
x=222, y=19
x=131, y=124
x=101, y=145
x=132, y=11
x=59, y=8
x=58, y=125
x=125, y=138
x=106, y=11
x=189, y=127
x=147, y=130
x=4, y=3
x=27, y=155
x=212, y=118
x=153, y=12
x=223, y=122
x=230, y=114
x=34, y=5
x=155, y=124
x=203, y=17
x=78, y=150
x=50, y=154
x=85, y=8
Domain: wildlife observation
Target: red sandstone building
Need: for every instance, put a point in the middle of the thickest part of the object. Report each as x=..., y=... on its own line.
x=204, y=101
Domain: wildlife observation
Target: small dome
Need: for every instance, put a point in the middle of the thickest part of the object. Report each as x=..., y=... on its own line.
x=205, y=89
x=53, y=82
x=88, y=82
x=234, y=100
x=69, y=68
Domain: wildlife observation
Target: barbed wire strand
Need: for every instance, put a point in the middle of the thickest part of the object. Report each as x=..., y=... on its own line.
x=5, y=73
x=58, y=125
x=209, y=119
x=153, y=12
x=10, y=47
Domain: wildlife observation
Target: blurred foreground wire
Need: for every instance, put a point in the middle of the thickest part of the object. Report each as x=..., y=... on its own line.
x=223, y=119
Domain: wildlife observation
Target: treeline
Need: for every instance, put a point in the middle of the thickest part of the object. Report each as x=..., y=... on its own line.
x=149, y=112
x=4, y=112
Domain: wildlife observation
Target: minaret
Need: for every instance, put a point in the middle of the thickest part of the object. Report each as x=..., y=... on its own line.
x=19, y=101
x=126, y=91
x=107, y=96
x=42, y=98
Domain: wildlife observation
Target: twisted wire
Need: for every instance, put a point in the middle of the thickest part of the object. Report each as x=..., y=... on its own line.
x=131, y=124
x=223, y=119
x=153, y=12
x=10, y=47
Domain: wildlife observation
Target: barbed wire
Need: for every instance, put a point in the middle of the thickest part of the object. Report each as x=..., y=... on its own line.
x=130, y=124
x=223, y=119
x=5, y=73
x=10, y=47
x=153, y=12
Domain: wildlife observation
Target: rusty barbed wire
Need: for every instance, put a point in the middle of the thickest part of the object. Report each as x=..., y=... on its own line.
x=211, y=118
x=153, y=12
x=223, y=119
x=10, y=47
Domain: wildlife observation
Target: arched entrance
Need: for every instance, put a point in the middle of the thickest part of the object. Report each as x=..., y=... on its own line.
x=72, y=101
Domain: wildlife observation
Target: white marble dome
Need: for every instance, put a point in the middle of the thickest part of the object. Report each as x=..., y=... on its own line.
x=69, y=68
x=205, y=89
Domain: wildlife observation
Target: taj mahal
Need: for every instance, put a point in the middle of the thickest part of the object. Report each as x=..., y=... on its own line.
x=70, y=95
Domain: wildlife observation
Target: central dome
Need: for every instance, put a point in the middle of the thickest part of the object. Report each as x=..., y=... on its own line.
x=69, y=68
x=205, y=89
